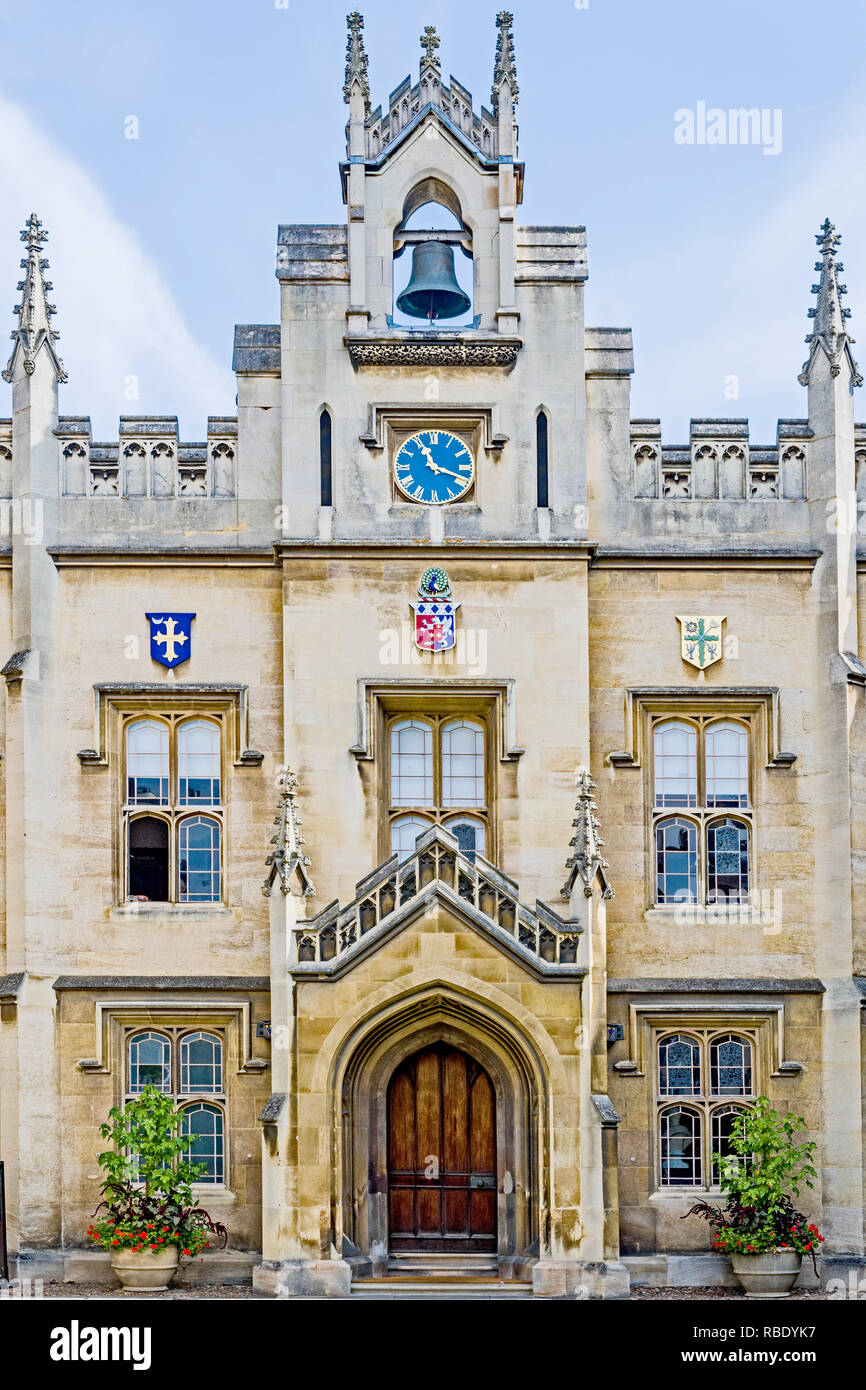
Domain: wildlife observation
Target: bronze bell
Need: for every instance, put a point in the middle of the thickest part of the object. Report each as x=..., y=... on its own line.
x=433, y=291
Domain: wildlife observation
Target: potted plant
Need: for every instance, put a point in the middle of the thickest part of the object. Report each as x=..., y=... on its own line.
x=151, y=1218
x=758, y=1226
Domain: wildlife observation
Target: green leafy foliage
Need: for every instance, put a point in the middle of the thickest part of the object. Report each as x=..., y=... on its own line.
x=765, y=1164
x=147, y=1195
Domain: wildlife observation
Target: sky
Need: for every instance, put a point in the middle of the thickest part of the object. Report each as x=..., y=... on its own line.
x=161, y=243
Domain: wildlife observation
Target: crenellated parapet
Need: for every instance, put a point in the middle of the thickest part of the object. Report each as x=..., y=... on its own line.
x=148, y=459
x=719, y=462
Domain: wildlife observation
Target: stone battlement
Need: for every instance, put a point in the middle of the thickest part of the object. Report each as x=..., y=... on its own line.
x=719, y=462
x=147, y=459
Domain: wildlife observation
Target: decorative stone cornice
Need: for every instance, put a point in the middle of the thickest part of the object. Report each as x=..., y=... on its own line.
x=34, y=329
x=287, y=858
x=433, y=352
x=357, y=70
x=505, y=66
x=587, y=861
x=830, y=335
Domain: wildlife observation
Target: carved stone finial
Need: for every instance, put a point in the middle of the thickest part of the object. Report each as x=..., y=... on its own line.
x=586, y=843
x=287, y=857
x=505, y=66
x=34, y=312
x=357, y=72
x=829, y=335
x=430, y=42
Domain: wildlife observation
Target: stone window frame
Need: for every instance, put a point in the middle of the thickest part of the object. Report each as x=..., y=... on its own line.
x=382, y=703
x=761, y=1021
x=174, y=813
x=759, y=707
x=175, y=1033
x=704, y=1104
x=114, y=708
x=701, y=816
x=117, y=1020
x=437, y=813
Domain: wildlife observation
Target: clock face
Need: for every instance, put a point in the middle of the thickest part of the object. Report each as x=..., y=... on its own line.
x=434, y=466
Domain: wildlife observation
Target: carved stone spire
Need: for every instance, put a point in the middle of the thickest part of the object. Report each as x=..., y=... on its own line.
x=287, y=857
x=430, y=42
x=504, y=67
x=34, y=329
x=829, y=335
x=357, y=72
x=586, y=843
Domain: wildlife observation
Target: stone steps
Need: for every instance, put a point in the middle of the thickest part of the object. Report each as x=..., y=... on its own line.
x=439, y=1287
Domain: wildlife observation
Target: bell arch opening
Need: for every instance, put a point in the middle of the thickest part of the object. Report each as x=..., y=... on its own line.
x=381, y=1082
x=433, y=284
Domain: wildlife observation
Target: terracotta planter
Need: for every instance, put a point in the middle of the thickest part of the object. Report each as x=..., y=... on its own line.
x=145, y=1271
x=772, y=1275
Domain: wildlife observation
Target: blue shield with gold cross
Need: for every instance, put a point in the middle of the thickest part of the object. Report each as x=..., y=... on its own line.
x=170, y=637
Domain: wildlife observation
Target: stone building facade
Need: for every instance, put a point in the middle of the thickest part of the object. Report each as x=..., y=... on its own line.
x=435, y=591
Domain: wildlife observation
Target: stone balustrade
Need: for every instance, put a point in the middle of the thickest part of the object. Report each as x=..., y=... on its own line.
x=437, y=866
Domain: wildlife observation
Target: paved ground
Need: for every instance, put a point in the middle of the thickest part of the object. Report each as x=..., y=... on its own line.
x=711, y=1291
x=243, y=1291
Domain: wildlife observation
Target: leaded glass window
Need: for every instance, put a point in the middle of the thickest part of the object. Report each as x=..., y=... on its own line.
x=676, y=861
x=723, y=1122
x=404, y=832
x=205, y=1122
x=727, y=759
x=185, y=1066
x=728, y=861
x=676, y=764
x=438, y=763
x=149, y=1062
x=731, y=1066
x=679, y=1066
x=701, y=766
x=680, y=1141
x=147, y=763
x=469, y=832
x=201, y=1063
x=700, y=1066
x=198, y=756
x=199, y=859
x=462, y=764
x=411, y=763
x=173, y=763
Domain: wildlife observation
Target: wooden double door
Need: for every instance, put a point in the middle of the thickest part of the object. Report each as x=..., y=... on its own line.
x=441, y=1154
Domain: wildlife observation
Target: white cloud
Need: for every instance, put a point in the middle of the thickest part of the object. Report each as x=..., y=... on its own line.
x=116, y=315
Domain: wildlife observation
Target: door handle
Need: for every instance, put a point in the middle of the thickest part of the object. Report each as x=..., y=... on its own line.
x=484, y=1181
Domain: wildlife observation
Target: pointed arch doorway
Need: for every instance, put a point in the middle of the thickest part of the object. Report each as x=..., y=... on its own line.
x=441, y=1154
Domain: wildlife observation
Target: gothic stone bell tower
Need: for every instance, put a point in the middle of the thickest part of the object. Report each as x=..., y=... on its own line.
x=440, y=1099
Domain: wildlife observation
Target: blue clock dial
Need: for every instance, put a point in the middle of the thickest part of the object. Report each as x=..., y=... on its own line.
x=434, y=466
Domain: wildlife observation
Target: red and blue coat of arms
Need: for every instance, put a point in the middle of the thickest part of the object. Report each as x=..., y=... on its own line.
x=435, y=613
